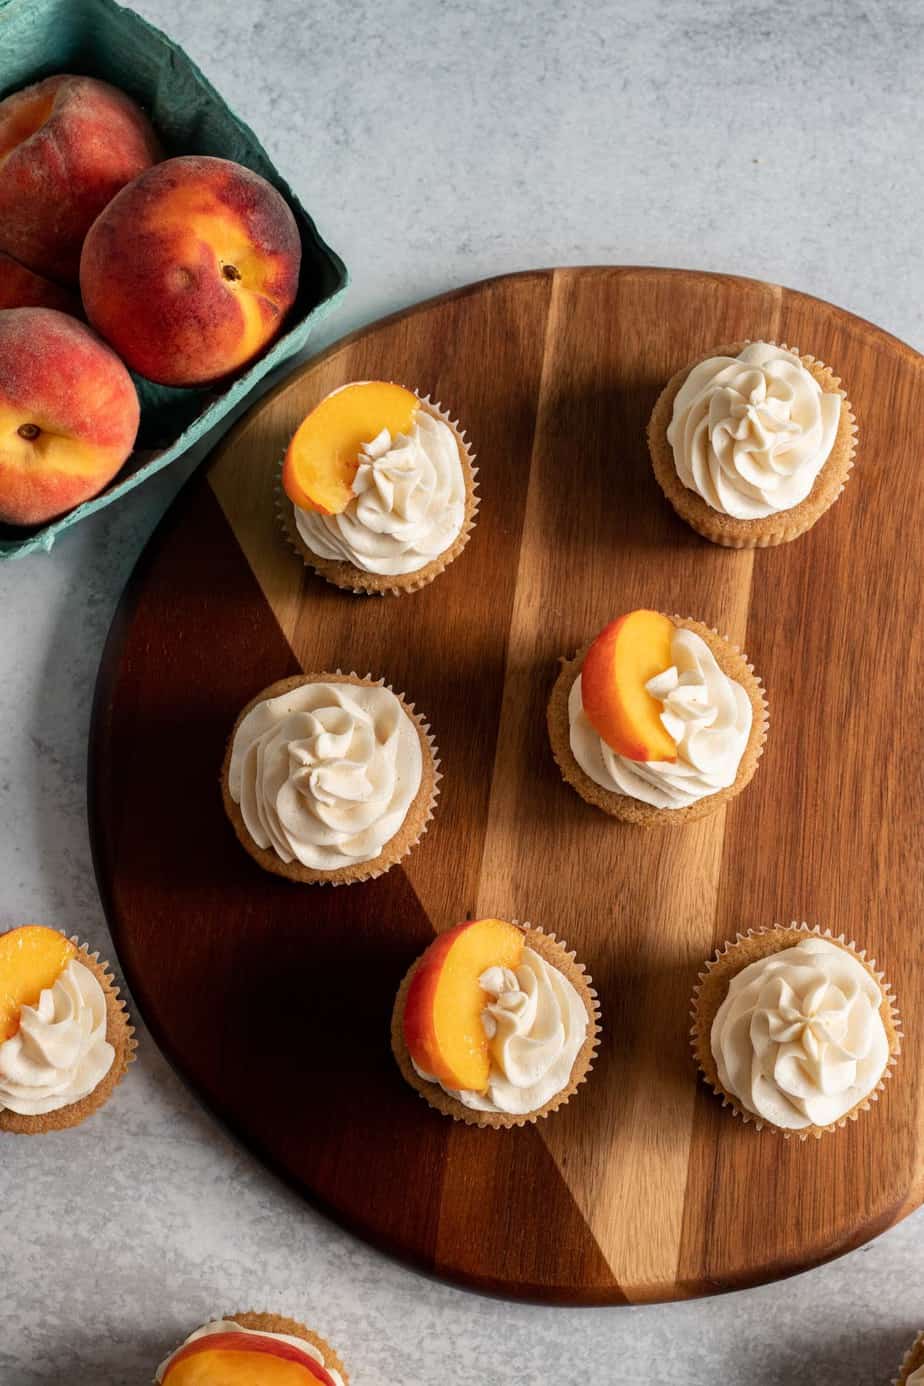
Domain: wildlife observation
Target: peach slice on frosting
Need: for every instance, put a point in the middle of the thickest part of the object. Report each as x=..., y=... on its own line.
x=31, y=960
x=243, y=1359
x=616, y=669
x=443, y=1029
x=323, y=457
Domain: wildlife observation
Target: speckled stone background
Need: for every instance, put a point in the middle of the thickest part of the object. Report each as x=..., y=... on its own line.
x=437, y=143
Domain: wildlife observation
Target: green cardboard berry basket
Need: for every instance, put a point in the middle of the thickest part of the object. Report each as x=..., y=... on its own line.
x=102, y=39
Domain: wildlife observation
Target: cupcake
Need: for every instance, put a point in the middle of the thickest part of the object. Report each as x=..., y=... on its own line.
x=247, y=1348
x=329, y=778
x=795, y=1030
x=752, y=443
x=912, y=1369
x=378, y=489
x=659, y=720
x=496, y=1024
x=65, y=1038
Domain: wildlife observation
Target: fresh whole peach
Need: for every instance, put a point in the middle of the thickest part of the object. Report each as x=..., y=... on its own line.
x=23, y=288
x=67, y=145
x=68, y=414
x=190, y=270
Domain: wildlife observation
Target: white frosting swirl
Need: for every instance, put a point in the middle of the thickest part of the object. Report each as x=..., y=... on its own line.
x=799, y=1039
x=229, y=1326
x=408, y=505
x=751, y=432
x=536, y=1022
x=706, y=713
x=60, y=1053
x=326, y=773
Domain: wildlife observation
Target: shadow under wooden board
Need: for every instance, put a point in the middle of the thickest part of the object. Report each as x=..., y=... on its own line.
x=274, y=999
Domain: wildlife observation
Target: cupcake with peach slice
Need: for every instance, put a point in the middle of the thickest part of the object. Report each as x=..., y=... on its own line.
x=658, y=721
x=65, y=1038
x=378, y=489
x=244, y=1349
x=69, y=414
x=496, y=1024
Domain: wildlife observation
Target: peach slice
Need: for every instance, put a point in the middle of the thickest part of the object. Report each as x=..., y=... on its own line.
x=624, y=656
x=31, y=959
x=323, y=457
x=442, y=1018
x=243, y=1359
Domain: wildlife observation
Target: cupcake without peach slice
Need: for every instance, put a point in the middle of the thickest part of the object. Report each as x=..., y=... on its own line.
x=794, y=1029
x=247, y=1348
x=658, y=721
x=496, y=1024
x=378, y=490
x=329, y=778
x=912, y=1369
x=65, y=1037
x=752, y=443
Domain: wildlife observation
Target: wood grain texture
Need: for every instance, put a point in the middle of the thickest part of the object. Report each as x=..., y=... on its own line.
x=642, y=1187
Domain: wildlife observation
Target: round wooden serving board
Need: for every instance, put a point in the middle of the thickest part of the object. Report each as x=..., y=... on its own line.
x=274, y=999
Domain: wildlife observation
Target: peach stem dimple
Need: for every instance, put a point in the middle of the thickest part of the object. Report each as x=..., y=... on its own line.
x=28, y=431
x=231, y=272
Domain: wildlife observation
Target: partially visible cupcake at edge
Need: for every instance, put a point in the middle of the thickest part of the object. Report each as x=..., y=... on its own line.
x=912, y=1369
x=496, y=1023
x=658, y=721
x=752, y=443
x=254, y=1347
x=378, y=489
x=65, y=1037
x=797, y=1031
x=329, y=778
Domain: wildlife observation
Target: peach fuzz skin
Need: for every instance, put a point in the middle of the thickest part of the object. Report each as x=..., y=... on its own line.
x=23, y=288
x=68, y=414
x=224, y=1359
x=67, y=145
x=190, y=271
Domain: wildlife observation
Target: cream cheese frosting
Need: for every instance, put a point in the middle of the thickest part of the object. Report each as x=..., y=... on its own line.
x=325, y=773
x=408, y=505
x=536, y=1023
x=59, y=1054
x=706, y=713
x=799, y=1039
x=751, y=432
x=229, y=1326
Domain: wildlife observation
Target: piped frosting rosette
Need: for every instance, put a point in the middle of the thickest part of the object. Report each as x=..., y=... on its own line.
x=330, y=778
x=412, y=508
x=795, y=1029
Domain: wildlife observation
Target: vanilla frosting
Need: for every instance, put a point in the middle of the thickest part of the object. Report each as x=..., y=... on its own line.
x=799, y=1039
x=408, y=503
x=229, y=1326
x=536, y=1023
x=325, y=774
x=751, y=432
x=60, y=1053
x=705, y=712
